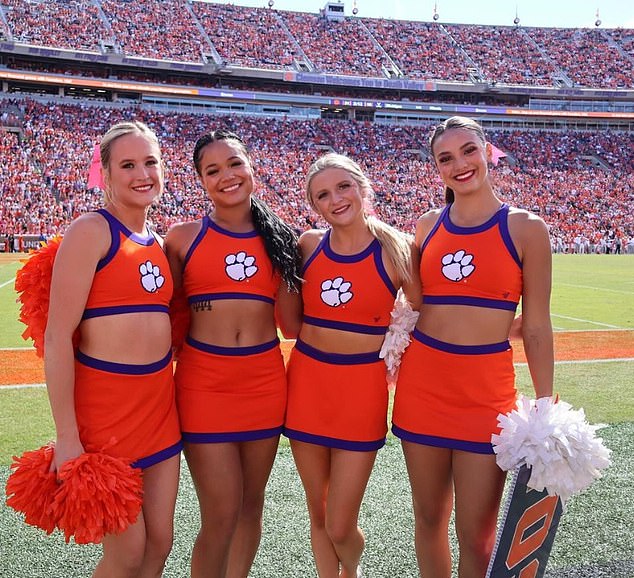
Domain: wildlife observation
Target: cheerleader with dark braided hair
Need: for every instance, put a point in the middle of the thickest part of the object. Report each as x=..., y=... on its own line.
x=239, y=270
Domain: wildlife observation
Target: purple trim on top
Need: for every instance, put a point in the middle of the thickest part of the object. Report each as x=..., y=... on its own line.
x=227, y=295
x=121, y=309
x=316, y=252
x=380, y=268
x=337, y=258
x=491, y=222
x=232, y=436
x=204, y=225
x=337, y=358
x=472, y=301
x=337, y=443
x=506, y=236
x=344, y=326
x=160, y=456
x=237, y=351
x=460, y=349
x=440, y=442
x=216, y=227
x=124, y=368
x=116, y=227
x=437, y=224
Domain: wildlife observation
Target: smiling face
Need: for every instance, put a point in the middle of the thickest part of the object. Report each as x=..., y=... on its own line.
x=336, y=196
x=134, y=175
x=225, y=172
x=461, y=158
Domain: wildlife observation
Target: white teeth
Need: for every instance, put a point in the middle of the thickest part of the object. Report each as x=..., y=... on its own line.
x=230, y=189
x=463, y=176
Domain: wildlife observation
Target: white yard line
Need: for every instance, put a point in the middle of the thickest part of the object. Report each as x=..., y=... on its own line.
x=597, y=288
x=586, y=321
x=7, y=283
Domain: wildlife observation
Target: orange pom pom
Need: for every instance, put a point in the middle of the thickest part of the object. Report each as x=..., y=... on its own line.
x=180, y=318
x=31, y=487
x=33, y=285
x=98, y=495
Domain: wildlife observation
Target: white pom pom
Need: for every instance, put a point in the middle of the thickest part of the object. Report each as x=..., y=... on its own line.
x=403, y=321
x=555, y=441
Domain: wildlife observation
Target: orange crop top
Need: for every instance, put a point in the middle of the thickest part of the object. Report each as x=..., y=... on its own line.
x=476, y=266
x=348, y=292
x=221, y=264
x=133, y=276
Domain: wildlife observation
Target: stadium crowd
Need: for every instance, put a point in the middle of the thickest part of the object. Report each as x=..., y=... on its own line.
x=273, y=39
x=581, y=183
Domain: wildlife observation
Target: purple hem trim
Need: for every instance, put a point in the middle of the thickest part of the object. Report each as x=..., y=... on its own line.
x=334, y=442
x=461, y=349
x=457, y=230
x=472, y=301
x=237, y=351
x=218, y=296
x=121, y=309
x=343, y=326
x=380, y=268
x=124, y=368
x=316, y=252
x=237, y=436
x=440, y=442
x=160, y=456
x=337, y=358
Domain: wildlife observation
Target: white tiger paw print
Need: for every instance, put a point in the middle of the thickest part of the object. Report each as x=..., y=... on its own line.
x=457, y=266
x=335, y=292
x=240, y=266
x=151, y=277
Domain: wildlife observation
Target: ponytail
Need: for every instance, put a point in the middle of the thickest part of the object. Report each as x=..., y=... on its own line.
x=280, y=241
x=396, y=245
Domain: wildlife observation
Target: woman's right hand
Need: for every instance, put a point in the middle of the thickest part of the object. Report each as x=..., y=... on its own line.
x=65, y=450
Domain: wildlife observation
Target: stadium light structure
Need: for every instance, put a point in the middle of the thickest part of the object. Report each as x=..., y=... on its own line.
x=271, y=2
x=436, y=15
x=516, y=20
x=355, y=10
x=597, y=22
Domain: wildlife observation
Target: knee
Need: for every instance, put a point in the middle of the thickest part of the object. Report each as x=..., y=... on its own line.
x=158, y=548
x=340, y=531
x=431, y=518
x=252, y=506
x=477, y=546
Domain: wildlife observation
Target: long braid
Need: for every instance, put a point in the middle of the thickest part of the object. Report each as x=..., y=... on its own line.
x=280, y=242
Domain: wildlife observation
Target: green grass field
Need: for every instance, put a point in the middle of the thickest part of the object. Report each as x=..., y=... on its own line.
x=594, y=540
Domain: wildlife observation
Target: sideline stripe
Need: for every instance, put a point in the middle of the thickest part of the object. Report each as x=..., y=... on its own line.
x=586, y=321
x=6, y=283
x=23, y=386
x=598, y=288
x=586, y=361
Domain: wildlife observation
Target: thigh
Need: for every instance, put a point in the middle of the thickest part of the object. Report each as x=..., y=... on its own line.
x=256, y=458
x=217, y=474
x=479, y=484
x=313, y=465
x=160, y=486
x=349, y=475
x=430, y=475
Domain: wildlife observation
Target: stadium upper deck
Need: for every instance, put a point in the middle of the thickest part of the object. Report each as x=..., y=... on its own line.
x=212, y=38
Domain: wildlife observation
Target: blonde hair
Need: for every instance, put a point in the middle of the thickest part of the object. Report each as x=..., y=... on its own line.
x=115, y=132
x=396, y=244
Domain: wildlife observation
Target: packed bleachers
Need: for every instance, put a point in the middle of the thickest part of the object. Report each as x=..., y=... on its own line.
x=43, y=177
x=273, y=39
x=71, y=24
x=250, y=37
x=603, y=64
x=504, y=54
x=160, y=29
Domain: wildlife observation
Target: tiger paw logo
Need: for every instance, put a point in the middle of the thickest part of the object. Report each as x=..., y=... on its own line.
x=240, y=266
x=151, y=278
x=457, y=266
x=335, y=292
